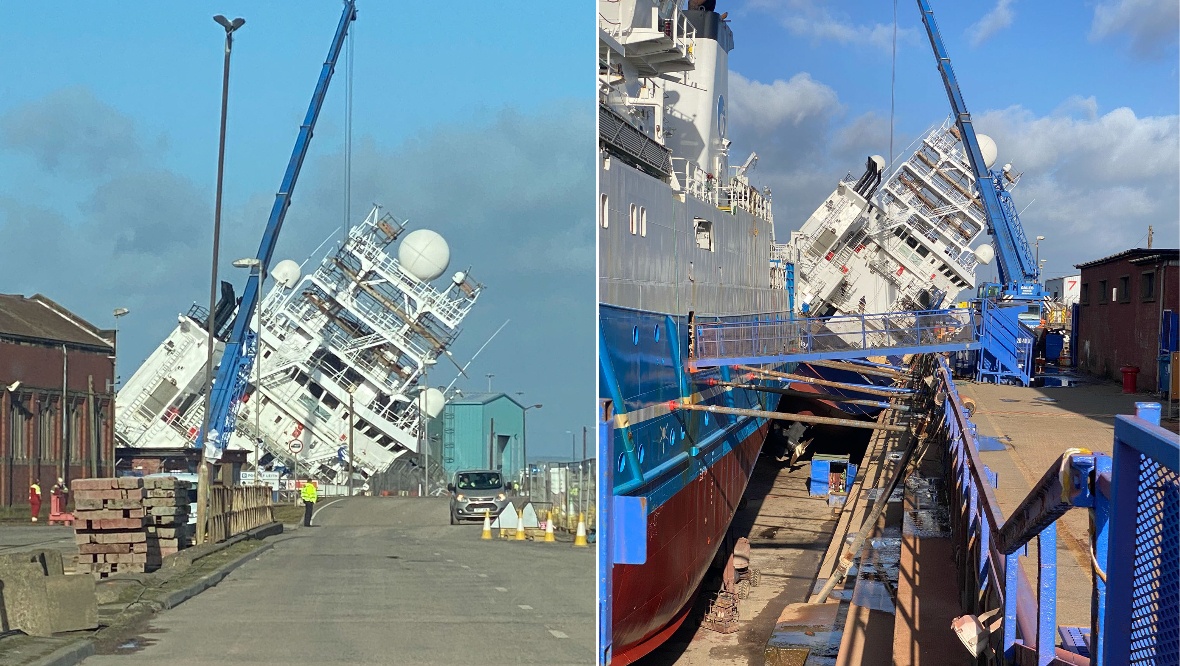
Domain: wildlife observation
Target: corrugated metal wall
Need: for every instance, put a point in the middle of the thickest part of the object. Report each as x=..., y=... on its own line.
x=467, y=436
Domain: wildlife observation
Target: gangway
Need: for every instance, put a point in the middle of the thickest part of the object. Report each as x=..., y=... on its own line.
x=777, y=340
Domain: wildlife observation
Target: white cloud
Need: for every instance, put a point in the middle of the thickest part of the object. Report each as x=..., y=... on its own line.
x=806, y=18
x=994, y=21
x=763, y=106
x=1151, y=26
x=1094, y=182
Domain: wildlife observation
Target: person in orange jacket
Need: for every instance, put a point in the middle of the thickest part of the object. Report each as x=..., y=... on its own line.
x=35, y=498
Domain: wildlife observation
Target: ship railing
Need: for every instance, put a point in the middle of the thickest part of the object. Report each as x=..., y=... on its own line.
x=845, y=336
x=450, y=312
x=743, y=195
x=1133, y=500
x=694, y=180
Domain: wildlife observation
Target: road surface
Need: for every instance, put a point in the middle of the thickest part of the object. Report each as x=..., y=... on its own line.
x=385, y=581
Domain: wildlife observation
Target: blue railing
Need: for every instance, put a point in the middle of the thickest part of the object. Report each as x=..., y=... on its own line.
x=1134, y=498
x=844, y=336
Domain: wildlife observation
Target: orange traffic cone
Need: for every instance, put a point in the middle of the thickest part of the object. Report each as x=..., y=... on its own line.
x=487, y=526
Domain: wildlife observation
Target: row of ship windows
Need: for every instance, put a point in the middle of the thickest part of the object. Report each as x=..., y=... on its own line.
x=637, y=217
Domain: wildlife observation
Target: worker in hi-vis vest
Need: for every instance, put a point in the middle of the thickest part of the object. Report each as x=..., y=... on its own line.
x=309, y=495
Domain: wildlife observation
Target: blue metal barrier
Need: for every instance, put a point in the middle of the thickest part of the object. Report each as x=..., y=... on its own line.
x=1134, y=499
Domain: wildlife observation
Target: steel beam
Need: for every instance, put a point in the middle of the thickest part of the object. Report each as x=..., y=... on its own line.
x=818, y=396
x=860, y=388
x=784, y=416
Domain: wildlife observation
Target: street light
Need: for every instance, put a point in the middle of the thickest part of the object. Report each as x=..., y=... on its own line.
x=119, y=312
x=203, y=475
x=524, y=444
x=1039, y=239
x=255, y=266
x=489, y=376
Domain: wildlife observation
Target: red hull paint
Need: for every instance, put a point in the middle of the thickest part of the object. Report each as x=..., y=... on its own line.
x=651, y=600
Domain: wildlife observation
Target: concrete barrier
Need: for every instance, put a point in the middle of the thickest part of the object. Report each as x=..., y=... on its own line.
x=39, y=599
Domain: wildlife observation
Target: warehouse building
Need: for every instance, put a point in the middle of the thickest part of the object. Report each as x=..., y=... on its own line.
x=483, y=431
x=45, y=351
x=1127, y=314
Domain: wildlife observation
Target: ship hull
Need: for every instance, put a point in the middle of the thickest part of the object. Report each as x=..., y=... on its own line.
x=695, y=468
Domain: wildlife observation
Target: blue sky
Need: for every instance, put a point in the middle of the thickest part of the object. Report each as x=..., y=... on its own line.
x=108, y=148
x=1081, y=96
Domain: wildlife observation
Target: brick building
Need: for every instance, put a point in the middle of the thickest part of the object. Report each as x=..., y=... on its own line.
x=1123, y=301
x=42, y=347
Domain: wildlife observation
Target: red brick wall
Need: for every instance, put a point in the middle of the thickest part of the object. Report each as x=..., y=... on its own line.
x=1125, y=330
x=35, y=407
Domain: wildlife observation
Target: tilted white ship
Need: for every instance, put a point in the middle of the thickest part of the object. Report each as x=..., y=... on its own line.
x=364, y=326
x=902, y=245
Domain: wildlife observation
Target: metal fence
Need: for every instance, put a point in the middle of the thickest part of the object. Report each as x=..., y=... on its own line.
x=833, y=337
x=1134, y=500
x=565, y=489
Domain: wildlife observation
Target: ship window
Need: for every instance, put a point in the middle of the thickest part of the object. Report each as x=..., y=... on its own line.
x=643, y=220
x=923, y=251
x=657, y=333
x=911, y=242
x=604, y=212
x=635, y=335
x=642, y=452
x=622, y=461
x=634, y=219
x=704, y=231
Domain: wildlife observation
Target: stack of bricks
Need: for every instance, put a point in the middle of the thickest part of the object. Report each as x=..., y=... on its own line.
x=167, y=507
x=109, y=520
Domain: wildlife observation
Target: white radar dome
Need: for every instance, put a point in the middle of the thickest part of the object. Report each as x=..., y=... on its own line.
x=988, y=147
x=424, y=254
x=432, y=402
x=286, y=273
x=985, y=253
x=879, y=161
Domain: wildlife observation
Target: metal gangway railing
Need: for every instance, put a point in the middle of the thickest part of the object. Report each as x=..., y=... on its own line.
x=778, y=340
x=1133, y=498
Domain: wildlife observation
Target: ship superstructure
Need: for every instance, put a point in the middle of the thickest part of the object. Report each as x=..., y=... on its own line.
x=363, y=329
x=903, y=246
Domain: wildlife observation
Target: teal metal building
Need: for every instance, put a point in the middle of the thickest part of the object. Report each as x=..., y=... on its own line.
x=482, y=431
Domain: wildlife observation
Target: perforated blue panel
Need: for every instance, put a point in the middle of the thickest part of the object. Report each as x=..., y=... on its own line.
x=1155, y=600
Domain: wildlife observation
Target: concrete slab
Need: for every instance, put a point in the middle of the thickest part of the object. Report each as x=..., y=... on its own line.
x=72, y=602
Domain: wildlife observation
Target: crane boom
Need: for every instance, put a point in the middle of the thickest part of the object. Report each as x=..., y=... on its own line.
x=1015, y=265
x=240, y=349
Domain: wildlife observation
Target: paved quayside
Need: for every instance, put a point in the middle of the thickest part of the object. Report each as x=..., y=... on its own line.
x=385, y=581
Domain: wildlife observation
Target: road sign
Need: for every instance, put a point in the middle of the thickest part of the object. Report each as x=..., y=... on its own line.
x=295, y=445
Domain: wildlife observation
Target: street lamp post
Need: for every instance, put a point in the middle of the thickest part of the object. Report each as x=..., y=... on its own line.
x=1039, y=239
x=119, y=312
x=524, y=446
x=203, y=470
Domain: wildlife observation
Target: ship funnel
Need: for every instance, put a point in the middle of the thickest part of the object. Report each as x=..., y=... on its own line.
x=985, y=253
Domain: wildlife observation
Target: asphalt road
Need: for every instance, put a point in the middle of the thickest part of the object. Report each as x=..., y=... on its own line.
x=385, y=581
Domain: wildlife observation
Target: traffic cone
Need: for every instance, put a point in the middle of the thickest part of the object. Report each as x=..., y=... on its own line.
x=580, y=539
x=549, y=538
x=487, y=526
x=520, y=526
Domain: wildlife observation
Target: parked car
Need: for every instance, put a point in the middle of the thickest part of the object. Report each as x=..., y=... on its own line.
x=476, y=492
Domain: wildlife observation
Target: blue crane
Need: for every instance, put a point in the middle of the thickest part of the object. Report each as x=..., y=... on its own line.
x=1017, y=270
x=240, y=349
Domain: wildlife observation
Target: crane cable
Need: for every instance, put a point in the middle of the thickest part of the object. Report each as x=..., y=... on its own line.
x=893, y=86
x=348, y=136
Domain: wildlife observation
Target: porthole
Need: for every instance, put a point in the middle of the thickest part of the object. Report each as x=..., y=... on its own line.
x=635, y=335
x=642, y=452
x=657, y=333
x=622, y=461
